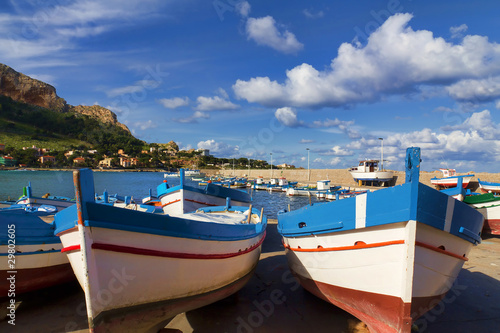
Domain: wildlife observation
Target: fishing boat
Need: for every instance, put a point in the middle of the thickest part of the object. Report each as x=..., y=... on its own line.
x=28, y=198
x=321, y=186
x=138, y=270
x=387, y=256
x=29, y=251
x=489, y=187
x=488, y=205
x=183, y=198
x=171, y=175
x=450, y=179
x=369, y=171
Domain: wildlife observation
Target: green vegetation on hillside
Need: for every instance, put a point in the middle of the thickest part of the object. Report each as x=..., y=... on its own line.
x=21, y=123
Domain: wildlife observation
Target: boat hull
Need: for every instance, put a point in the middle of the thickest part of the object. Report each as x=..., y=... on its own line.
x=396, y=273
x=380, y=176
x=491, y=213
x=450, y=181
x=35, y=267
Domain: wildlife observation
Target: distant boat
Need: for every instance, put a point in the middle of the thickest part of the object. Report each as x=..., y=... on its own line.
x=450, y=179
x=369, y=171
x=387, y=256
x=488, y=205
x=183, y=198
x=35, y=261
x=29, y=199
x=171, y=175
x=321, y=186
x=192, y=173
x=138, y=270
x=489, y=187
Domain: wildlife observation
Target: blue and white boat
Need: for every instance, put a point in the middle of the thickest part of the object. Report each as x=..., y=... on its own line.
x=181, y=199
x=489, y=187
x=140, y=269
x=29, y=199
x=450, y=179
x=29, y=251
x=387, y=256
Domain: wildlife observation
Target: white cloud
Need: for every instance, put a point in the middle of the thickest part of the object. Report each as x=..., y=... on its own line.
x=475, y=139
x=396, y=59
x=476, y=90
x=306, y=141
x=311, y=15
x=457, y=32
x=338, y=151
x=124, y=90
x=497, y=104
x=264, y=31
x=288, y=117
x=220, y=148
x=193, y=119
x=215, y=103
x=173, y=103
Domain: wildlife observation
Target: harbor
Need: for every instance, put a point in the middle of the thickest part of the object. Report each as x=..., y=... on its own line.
x=273, y=301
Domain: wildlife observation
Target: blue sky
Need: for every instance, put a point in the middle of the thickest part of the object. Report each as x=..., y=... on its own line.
x=254, y=78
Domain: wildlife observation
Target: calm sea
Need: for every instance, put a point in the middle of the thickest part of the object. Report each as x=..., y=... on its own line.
x=135, y=184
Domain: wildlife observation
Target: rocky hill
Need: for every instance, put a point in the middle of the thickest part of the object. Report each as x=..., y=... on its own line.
x=22, y=88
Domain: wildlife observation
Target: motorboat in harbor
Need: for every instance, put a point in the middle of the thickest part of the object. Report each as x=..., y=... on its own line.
x=369, y=171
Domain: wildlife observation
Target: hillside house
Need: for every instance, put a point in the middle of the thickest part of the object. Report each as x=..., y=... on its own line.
x=78, y=160
x=105, y=163
x=46, y=159
x=7, y=161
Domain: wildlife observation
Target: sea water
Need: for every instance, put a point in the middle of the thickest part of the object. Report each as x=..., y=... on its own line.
x=134, y=184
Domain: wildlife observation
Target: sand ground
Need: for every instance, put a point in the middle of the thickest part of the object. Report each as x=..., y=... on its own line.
x=273, y=302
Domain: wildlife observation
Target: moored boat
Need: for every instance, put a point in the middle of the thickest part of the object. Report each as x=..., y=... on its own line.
x=183, y=198
x=450, y=179
x=387, y=256
x=369, y=171
x=138, y=269
x=489, y=187
x=488, y=205
x=29, y=251
x=28, y=198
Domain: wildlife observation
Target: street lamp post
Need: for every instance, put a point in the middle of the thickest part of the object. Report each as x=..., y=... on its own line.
x=382, y=154
x=271, y=164
x=308, y=169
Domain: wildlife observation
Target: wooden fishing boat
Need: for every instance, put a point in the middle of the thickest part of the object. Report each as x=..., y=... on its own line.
x=489, y=187
x=29, y=199
x=183, y=198
x=450, y=179
x=29, y=251
x=488, y=205
x=386, y=256
x=138, y=269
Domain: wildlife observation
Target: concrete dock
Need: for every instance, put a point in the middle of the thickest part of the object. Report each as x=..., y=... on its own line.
x=273, y=302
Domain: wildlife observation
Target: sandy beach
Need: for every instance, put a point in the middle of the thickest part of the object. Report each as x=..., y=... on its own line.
x=274, y=302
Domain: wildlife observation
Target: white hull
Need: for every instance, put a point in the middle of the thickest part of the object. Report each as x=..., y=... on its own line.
x=40, y=255
x=122, y=280
x=381, y=176
x=450, y=182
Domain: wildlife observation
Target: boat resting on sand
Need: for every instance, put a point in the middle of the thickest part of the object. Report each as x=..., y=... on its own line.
x=29, y=251
x=387, y=256
x=489, y=187
x=450, y=179
x=138, y=269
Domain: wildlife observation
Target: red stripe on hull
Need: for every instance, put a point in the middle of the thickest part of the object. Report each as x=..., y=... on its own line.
x=32, y=279
x=381, y=313
x=155, y=253
x=492, y=227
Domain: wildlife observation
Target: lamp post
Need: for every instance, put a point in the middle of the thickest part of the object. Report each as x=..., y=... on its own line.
x=271, y=164
x=308, y=170
x=382, y=154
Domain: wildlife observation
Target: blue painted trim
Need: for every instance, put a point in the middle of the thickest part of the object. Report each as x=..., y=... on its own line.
x=410, y=201
x=29, y=228
x=104, y=216
x=482, y=182
x=210, y=189
x=451, y=177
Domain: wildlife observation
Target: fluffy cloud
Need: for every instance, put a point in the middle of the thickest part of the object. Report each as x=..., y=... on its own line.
x=193, y=119
x=337, y=151
x=475, y=139
x=216, y=103
x=219, y=148
x=173, y=103
x=476, y=90
x=396, y=59
x=288, y=117
x=264, y=31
